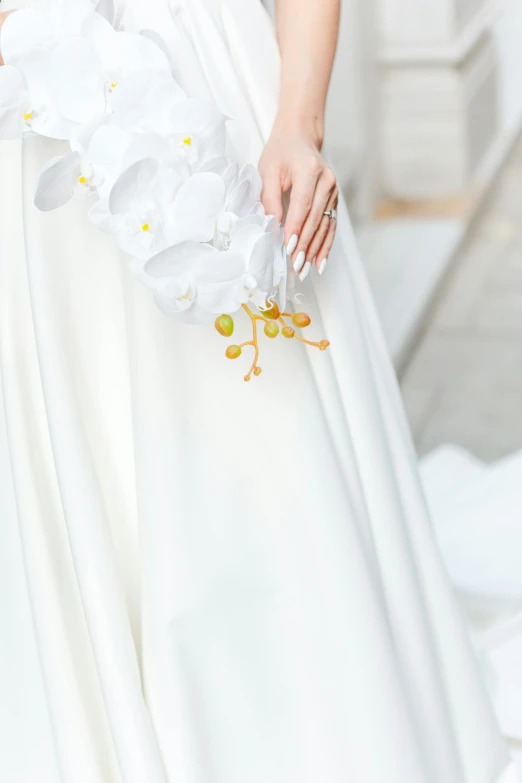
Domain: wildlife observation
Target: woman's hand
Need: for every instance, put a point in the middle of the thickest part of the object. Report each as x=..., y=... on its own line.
x=293, y=160
x=3, y=17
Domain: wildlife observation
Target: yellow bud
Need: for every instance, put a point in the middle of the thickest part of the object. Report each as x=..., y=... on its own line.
x=257, y=370
x=323, y=345
x=233, y=351
x=225, y=325
x=301, y=320
x=273, y=313
x=271, y=329
x=288, y=332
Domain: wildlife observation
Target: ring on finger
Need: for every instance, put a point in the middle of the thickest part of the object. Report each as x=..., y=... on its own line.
x=331, y=213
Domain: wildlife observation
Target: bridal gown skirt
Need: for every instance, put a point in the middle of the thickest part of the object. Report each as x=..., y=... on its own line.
x=207, y=581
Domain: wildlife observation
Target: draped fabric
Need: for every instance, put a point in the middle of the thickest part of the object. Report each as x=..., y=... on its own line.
x=207, y=581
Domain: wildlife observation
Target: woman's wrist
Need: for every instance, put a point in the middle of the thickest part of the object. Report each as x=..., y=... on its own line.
x=307, y=124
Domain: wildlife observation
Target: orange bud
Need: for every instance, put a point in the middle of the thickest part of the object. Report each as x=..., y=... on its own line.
x=323, y=345
x=271, y=329
x=257, y=370
x=288, y=332
x=273, y=312
x=233, y=351
x=225, y=325
x=301, y=320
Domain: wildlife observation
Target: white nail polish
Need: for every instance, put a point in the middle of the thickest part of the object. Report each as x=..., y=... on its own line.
x=292, y=244
x=299, y=261
x=322, y=265
x=306, y=271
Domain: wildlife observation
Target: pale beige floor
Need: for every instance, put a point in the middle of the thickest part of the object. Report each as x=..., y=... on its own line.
x=463, y=383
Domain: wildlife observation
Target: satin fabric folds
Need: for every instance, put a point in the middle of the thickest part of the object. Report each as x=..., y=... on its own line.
x=207, y=581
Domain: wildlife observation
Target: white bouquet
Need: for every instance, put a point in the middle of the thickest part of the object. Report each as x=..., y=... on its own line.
x=153, y=162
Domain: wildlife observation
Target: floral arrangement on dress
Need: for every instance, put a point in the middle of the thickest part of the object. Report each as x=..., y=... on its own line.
x=153, y=160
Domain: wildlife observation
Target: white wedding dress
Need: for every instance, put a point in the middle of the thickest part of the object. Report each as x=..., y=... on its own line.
x=207, y=581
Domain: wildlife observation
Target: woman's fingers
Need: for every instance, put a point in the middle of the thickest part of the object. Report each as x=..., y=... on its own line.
x=324, y=251
x=315, y=223
x=301, y=199
x=316, y=245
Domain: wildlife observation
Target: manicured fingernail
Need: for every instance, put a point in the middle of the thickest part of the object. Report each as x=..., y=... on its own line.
x=322, y=265
x=292, y=244
x=299, y=261
x=306, y=271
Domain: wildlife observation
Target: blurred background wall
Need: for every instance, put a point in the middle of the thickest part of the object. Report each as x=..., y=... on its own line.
x=424, y=125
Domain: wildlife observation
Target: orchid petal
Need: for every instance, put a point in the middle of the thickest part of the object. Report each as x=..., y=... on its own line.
x=75, y=81
x=238, y=201
x=55, y=186
x=106, y=9
x=108, y=146
x=146, y=145
x=100, y=36
x=261, y=266
x=103, y=219
x=181, y=258
x=23, y=32
x=12, y=92
x=195, y=315
x=243, y=241
x=218, y=165
x=230, y=176
x=131, y=184
x=198, y=203
x=137, y=52
x=12, y=86
x=160, y=42
x=202, y=119
x=250, y=174
x=10, y=125
x=221, y=298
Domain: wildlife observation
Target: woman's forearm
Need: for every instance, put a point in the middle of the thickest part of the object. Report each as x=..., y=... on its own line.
x=307, y=31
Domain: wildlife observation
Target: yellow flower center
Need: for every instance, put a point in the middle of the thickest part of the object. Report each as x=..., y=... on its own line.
x=82, y=180
x=28, y=116
x=114, y=85
x=188, y=141
x=145, y=227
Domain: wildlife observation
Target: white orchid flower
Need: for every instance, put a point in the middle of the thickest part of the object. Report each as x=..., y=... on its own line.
x=257, y=239
x=154, y=159
x=193, y=282
x=152, y=102
x=85, y=70
x=133, y=209
x=120, y=53
x=81, y=173
x=25, y=104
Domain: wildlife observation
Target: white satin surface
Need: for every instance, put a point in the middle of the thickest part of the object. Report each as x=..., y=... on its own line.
x=207, y=581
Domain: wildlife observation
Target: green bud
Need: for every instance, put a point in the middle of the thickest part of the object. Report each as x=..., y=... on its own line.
x=233, y=351
x=225, y=325
x=271, y=329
